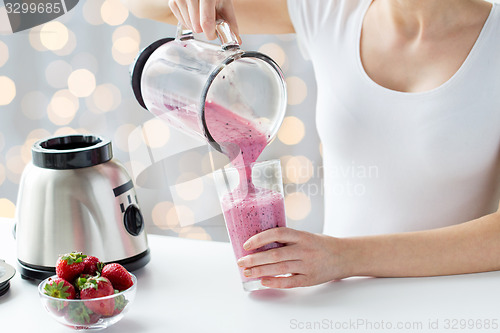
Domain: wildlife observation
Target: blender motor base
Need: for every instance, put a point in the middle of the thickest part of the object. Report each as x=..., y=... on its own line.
x=35, y=272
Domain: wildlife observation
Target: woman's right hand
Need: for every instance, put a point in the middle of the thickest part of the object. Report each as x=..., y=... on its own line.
x=201, y=15
x=254, y=16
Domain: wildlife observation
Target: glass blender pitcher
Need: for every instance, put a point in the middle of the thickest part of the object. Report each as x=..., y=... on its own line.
x=179, y=80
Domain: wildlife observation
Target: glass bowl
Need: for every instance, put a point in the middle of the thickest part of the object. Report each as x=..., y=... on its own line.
x=76, y=313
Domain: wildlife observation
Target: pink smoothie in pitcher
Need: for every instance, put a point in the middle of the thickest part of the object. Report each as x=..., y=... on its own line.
x=247, y=210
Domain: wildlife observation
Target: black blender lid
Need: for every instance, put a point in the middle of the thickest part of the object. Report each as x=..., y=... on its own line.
x=7, y=272
x=71, y=152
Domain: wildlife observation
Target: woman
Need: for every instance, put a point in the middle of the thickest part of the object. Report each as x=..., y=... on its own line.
x=410, y=87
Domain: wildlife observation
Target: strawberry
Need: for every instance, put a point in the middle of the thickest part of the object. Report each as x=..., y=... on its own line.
x=70, y=265
x=96, y=287
x=59, y=288
x=118, y=275
x=92, y=265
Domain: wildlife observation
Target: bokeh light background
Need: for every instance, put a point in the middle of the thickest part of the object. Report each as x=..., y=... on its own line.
x=71, y=76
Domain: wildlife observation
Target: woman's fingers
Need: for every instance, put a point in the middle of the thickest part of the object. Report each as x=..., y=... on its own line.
x=280, y=235
x=297, y=280
x=285, y=253
x=201, y=15
x=181, y=11
x=193, y=7
x=290, y=252
x=280, y=268
x=207, y=17
x=177, y=12
x=227, y=13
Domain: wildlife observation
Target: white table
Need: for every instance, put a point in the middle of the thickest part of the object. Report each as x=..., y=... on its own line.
x=193, y=286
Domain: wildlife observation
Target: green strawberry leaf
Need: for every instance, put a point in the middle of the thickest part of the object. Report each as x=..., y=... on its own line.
x=120, y=302
x=78, y=313
x=57, y=290
x=73, y=257
x=100, y=266
x=90, y=283
x=80, y=282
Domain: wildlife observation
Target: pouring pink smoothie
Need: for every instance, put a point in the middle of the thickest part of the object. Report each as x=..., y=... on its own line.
x=176, y=80
x=248, y=210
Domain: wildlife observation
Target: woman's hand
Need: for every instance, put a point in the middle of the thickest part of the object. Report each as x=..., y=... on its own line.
x=254, y=16
x=200, y=15
x=310, y=258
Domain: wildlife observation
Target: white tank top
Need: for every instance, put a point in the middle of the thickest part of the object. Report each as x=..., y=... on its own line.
x=396, y=161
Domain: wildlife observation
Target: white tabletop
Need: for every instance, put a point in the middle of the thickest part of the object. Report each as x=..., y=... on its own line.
x=193, y=286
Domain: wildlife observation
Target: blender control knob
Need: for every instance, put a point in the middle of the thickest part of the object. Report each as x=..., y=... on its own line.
x=133, y=220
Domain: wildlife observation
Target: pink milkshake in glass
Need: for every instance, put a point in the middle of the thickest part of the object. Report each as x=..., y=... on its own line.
x=251, y=194
x=250, y=206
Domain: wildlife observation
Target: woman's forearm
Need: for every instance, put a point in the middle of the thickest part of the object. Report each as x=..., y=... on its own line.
x=153, y=9
x=469, y=247
x=254, y=16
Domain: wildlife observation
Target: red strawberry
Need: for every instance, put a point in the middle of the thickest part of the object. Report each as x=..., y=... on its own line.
x=120, y=278
x=92, y=265
x=70, y=265
x=96, y=287
x=59, y=288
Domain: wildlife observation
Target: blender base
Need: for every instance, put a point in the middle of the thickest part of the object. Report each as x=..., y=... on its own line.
x=36, y=272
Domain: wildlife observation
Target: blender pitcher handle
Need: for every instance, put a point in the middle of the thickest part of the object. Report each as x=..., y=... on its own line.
x=226, y=36
x=183, y=34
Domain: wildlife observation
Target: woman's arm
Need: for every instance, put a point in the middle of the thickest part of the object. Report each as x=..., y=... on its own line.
x=153, y=9
x=252, y=16
x=469, y=247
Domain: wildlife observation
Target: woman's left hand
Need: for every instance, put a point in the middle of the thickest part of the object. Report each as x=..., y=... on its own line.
x=310, y=258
